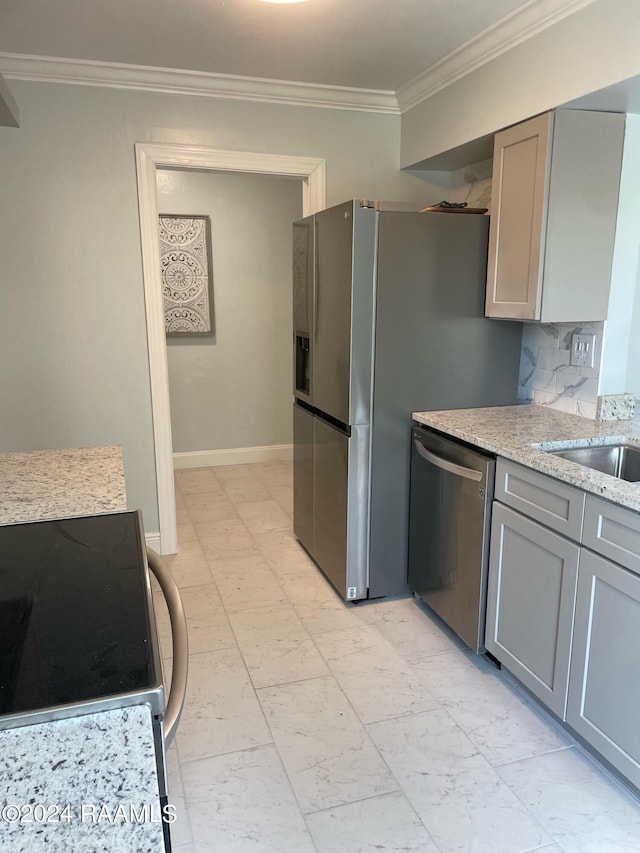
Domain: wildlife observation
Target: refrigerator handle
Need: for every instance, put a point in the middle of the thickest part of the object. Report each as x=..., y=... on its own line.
x=451, y=467
x=314, y=319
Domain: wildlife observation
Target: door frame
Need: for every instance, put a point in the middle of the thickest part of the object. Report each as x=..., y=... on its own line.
x=149, y=157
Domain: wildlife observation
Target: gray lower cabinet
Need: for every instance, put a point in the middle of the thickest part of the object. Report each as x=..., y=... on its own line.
x=557, y=505
x=562, y=616
x=612, y=531
x=532, y=584
x=604, y=689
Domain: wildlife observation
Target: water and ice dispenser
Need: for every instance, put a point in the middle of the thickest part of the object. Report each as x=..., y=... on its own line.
x=303, y=364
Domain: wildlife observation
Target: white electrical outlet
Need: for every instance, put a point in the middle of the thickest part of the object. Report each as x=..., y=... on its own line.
x=583, y=350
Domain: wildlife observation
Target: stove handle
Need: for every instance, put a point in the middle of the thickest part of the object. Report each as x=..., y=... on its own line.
x=180, y=641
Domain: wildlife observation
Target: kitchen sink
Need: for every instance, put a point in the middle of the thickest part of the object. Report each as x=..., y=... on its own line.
x=619, y=460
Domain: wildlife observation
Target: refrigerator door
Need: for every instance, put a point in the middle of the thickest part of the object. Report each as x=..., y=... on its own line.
x=341, y=506
x=303, y=476
x=330, y=486
x=331, y=340
x=341, y=344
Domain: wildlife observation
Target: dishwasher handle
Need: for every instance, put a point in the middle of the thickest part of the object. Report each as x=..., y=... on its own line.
x=180, y=643
x=451, y=467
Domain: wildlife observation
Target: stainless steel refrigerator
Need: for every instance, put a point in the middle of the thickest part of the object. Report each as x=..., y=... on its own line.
x=388, y=318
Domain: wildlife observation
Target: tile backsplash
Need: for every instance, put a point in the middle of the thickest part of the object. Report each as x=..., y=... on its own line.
x=472, y=184
x=547, y=378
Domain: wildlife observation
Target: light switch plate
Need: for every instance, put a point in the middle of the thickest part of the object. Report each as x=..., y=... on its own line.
x=583, y=350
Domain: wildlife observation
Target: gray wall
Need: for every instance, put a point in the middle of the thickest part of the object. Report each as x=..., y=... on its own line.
x=597, y=46
x=620, y=365
x=73, y=348
x=234, y=389
x=633, y=376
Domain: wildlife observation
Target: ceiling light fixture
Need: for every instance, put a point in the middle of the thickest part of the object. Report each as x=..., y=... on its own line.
x=283, y=1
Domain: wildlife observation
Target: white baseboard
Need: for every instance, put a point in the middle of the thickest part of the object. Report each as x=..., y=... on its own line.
x=233, y=456
x=153, y=541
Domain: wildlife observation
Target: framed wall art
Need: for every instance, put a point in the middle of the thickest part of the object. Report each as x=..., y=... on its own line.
x=187, y=281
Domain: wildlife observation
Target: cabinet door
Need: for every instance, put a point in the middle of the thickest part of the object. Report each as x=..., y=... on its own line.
x=532, y=584
x=521, y=164
x=582, y=211
x=604, y=690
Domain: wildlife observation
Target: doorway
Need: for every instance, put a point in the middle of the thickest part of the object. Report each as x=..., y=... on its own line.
x=149, y=158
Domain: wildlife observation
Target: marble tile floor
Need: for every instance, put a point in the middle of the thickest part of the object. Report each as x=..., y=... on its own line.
x=311, y=725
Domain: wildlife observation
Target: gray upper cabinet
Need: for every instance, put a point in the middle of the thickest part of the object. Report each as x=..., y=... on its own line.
x=554, y=203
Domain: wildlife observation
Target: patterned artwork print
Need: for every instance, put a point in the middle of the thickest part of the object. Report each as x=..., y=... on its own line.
x=186, y=279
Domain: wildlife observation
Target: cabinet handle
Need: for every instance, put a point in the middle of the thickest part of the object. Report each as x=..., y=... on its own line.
x=180, y=643
x=451, y=467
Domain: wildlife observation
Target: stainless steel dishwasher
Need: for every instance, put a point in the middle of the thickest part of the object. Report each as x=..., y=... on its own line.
x=449, y=518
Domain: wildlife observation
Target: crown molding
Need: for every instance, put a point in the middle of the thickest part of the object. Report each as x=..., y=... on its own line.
x=112, y=75
x=522, y=24
x=530, y=19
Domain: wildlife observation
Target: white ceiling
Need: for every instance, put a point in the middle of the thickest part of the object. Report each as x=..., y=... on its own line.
x=371, y=44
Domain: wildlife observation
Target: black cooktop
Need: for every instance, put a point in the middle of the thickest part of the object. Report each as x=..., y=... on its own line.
x=76, y=619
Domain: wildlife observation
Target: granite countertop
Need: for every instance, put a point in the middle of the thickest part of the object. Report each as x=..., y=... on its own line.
x=61, y=483
x=102, y=759
x=100, y=766
x=523, y=433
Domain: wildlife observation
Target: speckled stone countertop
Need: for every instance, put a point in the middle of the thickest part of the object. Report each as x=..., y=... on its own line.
x=100, y=766
x=523, y=433
x=99, y=759
x=61, y=483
